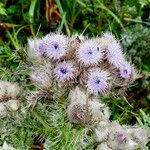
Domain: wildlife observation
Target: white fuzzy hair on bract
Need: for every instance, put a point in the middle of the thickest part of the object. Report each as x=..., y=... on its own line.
x=103, y=107
x=42, y=76
x=14, y=91
x=103, y=146
x=36, y=49
x=56, y=45
x=119, y=138
x=86, y=111
x=3, y=89
x=9, y=90
x=77, y=112
x=140, y=135
x=12, y=105
x=3, y=110
x=89, y=53
x=96, y=111
x=102, y=131
x=10, y=94
x=77, y=95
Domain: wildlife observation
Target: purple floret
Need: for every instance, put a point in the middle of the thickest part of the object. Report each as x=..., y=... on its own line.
x=97, y=82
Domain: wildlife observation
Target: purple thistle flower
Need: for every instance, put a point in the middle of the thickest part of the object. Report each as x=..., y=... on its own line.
x=115, y=55
x=56, y=45
x=89, y=53
x=65, y=71
x=125, y=70
x=97, y=81
x=114, y=51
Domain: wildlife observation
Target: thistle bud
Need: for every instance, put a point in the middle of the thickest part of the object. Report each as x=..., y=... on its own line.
x=12, y=105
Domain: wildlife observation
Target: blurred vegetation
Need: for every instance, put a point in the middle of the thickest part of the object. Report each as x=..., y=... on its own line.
x=128, y=20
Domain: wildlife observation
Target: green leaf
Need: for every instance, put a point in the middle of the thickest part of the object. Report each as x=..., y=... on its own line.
x=2, y=10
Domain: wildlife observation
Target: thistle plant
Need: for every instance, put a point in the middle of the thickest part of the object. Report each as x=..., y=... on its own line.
x=86, y=69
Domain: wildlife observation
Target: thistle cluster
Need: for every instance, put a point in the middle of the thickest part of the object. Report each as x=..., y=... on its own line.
x=97, y=64
x=88, y=68
x=10, y=94
x=110, y=135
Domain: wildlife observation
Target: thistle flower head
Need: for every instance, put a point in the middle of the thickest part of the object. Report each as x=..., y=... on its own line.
x=115, y=55
x=42, y=76
x=125, y=70
x=97, y=82
x=89, y=53
x=114, y=51
x=56, y=45
x=77, y=112
x=65, y=71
